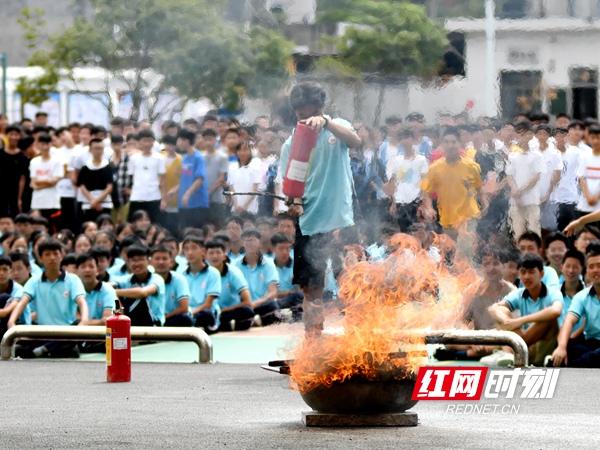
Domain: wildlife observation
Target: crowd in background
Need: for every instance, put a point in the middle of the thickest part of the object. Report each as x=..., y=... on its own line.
x=189, y=229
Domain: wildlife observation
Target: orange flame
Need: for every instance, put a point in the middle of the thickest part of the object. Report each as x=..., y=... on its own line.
x=382, y=303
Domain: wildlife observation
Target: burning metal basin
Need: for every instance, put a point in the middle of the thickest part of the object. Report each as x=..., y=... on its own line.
x=362, y=397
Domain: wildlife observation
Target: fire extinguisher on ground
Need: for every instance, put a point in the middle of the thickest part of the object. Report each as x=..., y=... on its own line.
x=305, y=141
x=118, y=346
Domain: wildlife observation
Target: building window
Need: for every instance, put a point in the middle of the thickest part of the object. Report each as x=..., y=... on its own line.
x=520, y=92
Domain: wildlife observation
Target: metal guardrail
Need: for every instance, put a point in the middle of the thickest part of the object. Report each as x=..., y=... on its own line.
x=98, y=333
x=480, y=337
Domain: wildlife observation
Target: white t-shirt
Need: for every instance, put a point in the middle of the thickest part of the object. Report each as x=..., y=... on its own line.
x=589, y=169
x=146, y=172
x=408, y=173
x=65, y=186
x=567, y=189
x=242, y=179
x=39, y=170
x=522, y=167
x=552, y=161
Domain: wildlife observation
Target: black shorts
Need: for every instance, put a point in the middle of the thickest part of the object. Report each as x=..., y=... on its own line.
x=312, y=252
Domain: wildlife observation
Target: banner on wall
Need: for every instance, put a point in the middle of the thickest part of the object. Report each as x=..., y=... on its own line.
x=89, y=107
x=50, y=106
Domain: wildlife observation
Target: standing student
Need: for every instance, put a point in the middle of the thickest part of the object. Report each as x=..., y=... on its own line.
x=13, y=171
x=173, y=178
x=147, y=168
x=46, y=171
x=193, y=190
x=96, y=183
x=549, y=179
x=119, y=161
x=566, y=194
x=216, y=177
x=524, y=171
x=326, y=205
x=589, y=174
x=66, y=188
x=244, y=178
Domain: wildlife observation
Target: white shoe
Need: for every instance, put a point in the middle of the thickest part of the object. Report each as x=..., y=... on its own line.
x=498, y=358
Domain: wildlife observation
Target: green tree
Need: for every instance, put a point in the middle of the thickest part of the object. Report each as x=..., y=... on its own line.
x=155, y=47
x=386, y=40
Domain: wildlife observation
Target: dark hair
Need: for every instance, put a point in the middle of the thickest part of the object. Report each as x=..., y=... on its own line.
x=209, y=132
x=40, y=221
x=280, y=238
x=451, y=131
x=49, y=244
x=138, y=250
x=121, y=226
x=209, y=117
x=235, y=219
x=271, y=221
x=16, y=257
x=65, y=235
x=25, y=142
x=96, y=141
x=531, y=236
x=40, y=129
x=415, y=117
x=5, y=261
x=393, y=120
x=146, y=134
x=169, y=139
x=45, y=137
x=37, y=235
x=587, y=229
x=594, y=129
x=69, y=259
x=222, y=236
x=117, y=121
x=84, y=225
x=232, y=130
x=511, y=254
x=40, y=114
x=97, y=129
x=12, y=127
x=100, y=252
x=82, y=236
x=216, y=244
x=284, y=216
x=187, y=135
x=405, y=133
x=490, y=251
x=9, y=234
x=307, y=94
x=160, y=248
x=560, y=130
x=576, y=254
x=544, y=127
x=531, y=261
x=117, y=139
x=139, y=214
x=192, y=239
x=558, y=116
x=74, y=125
x=169, y=238
x=250, y=232
x=593, y=248
x=104, y=218
x=132, y=137
x=523, y=126
x=556, y=236
x=128, y=241
x=190, y=121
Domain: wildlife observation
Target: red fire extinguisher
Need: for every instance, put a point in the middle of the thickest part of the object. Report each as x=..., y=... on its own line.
x=118, y=346
x=305, y=141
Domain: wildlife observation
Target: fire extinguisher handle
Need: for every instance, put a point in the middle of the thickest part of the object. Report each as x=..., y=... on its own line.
x=118, y=307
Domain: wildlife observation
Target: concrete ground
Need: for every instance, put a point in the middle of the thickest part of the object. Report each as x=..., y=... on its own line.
x=68, y=405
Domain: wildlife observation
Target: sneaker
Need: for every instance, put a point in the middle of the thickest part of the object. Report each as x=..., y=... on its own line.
x=548, y=361
x=498, y=358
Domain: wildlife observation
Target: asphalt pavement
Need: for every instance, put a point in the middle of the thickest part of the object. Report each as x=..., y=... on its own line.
x=68, y=405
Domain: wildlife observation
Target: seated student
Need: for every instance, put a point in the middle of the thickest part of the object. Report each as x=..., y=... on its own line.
x=540, y=307
x=179, y=264
x=235, y=300
x=419, y=232
x=121, y=270
x=512, y=256
x=21, y=267
x=177, y=292
x=530, y=242
x=585, y=236
x=6, y=224
x=478, y=299
x=10, y=294
x=24, y=225
x=572, y=268
x=56, y=296
x=234, y=227
x=69, y=263
x=289, y=296
x=556, y=245
x=266, y=226
x=204, y=283
x=582, y=352
x=142, y=293
x=262, y=278
x=100, y=296
x=102, y=256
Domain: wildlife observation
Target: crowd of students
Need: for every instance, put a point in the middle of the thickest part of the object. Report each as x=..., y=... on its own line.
x=91, y=215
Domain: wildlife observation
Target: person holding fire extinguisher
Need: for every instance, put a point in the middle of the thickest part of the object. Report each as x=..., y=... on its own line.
x=325, y=211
